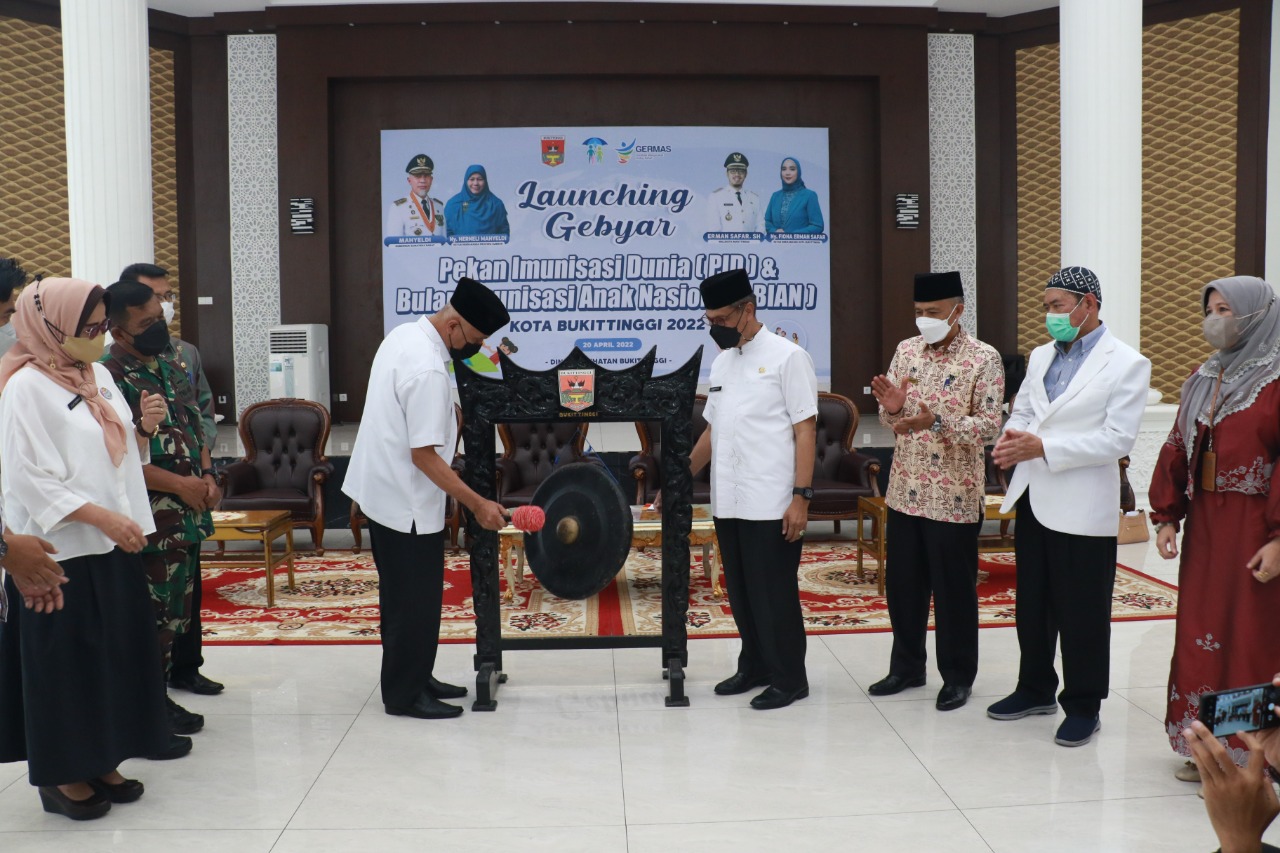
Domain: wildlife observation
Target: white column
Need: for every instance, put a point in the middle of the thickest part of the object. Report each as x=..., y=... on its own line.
x=1101, y=43
x=1273, y=154
x=106, y=81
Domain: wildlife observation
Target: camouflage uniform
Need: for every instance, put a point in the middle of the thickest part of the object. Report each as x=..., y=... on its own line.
x=172, y=554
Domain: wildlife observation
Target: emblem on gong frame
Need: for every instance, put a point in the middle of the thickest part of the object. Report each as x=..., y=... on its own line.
x=577, y=389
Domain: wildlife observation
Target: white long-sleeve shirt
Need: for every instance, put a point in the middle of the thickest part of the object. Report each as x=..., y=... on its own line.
x=56, y=461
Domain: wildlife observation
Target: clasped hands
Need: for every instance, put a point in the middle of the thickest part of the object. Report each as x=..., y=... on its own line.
x=893, y=398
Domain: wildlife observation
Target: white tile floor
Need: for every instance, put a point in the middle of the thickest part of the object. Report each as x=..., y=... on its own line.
x=582, y=756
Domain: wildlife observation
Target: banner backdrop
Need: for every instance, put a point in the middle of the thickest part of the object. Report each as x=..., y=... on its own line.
x=599, y=236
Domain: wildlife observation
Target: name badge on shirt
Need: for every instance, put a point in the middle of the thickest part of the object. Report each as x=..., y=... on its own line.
x=714, y=388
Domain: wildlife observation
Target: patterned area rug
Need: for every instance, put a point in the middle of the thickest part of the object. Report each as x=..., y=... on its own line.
x=336, y=600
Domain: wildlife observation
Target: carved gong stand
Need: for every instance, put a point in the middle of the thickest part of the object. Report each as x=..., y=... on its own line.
x=631, y=394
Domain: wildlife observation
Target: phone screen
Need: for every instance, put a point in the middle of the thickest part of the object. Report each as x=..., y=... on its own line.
x=1242, y=710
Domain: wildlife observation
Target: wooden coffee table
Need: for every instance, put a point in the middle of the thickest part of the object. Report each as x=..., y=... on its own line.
x=265, y=526
x=646, y=532
x=876, y=512
x=994, y=543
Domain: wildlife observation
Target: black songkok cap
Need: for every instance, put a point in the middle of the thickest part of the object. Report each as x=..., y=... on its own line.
x=479, y=306
x=933, y=286
x=1076, y=280
x=725, y=288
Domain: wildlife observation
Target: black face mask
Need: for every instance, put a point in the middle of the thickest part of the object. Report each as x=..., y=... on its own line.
x=726, y=336
x=465, y=351
x=153, y=341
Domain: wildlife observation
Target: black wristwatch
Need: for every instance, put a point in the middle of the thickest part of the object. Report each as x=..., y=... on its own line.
x=208, y=472
x=804, y=492
x=4, y=548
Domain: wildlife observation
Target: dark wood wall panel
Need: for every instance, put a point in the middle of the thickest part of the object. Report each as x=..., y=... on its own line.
x=339, y=86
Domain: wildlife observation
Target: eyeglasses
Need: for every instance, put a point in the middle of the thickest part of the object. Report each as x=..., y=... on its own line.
x=92, y=330
x=723, y=321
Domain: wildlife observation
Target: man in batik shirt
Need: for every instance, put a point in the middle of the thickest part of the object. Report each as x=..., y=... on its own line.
x=942, y=397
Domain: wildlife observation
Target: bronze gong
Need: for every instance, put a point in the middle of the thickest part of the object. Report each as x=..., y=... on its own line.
x=587, y=533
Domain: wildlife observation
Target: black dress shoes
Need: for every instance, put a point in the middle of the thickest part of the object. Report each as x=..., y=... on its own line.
x=177, y=747
x=425, y=707
x=952, y=696
x=128, y=791
x=775, y=697
x=196, y=683
x=740, y=682
x=182, y=721
x=56, y=802
x=892, y=684
x=441, y=690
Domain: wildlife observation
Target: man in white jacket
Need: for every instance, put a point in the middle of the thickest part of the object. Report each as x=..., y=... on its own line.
x=1076, y=415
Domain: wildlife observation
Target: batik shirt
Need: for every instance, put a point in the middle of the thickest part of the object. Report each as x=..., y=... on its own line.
x=941, y=475
x=176, y=445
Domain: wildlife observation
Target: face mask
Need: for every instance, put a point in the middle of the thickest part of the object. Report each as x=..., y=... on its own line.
x=85, y=350
x=465, y=351
x=153, y=341
x=1222, y=331
x=932, y=329
x=167, y=308
x=1059, y=325
x=726, y=336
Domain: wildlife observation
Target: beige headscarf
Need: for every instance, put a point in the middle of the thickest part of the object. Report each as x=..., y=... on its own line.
x=63, y=305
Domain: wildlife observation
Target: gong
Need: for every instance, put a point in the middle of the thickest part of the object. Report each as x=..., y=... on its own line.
x=587, y=533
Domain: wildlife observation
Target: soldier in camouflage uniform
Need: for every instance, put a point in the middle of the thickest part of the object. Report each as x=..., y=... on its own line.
x=179, y=477
x=187, y=657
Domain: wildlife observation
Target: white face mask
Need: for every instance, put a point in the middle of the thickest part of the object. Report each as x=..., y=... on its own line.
x=167, y=308
x=934, y=330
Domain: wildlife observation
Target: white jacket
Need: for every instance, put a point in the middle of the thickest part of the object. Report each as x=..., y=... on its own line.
x=1075, y=487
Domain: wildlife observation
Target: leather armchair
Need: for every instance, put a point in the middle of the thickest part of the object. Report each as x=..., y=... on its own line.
x=530, y=452
x=841, y=474
x=284, y=467
x=645, y=467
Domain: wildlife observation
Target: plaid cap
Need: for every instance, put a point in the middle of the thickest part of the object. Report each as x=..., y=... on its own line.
x=1076, y=280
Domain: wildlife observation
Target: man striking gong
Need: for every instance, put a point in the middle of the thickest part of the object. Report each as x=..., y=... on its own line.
x=761, y=412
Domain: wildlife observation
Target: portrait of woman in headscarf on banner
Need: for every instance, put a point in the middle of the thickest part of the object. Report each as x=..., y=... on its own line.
x=475, y=210
x=794, y=208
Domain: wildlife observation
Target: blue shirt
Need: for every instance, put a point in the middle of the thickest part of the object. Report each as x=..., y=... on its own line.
x=1066, y=363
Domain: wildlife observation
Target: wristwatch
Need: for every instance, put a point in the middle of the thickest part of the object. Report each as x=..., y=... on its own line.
x=4, y=548
x=937, y=424
x=208, y=472
x=804, y=492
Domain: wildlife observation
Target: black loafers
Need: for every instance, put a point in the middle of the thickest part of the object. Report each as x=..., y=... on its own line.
x=182, y=721
x=56, y=802
x=774, y=697
x=425, y=707
x=740, y=682
x=952, y=696
x=196, y=683
x=442, y=690
x=128, y=791
x=892, y=684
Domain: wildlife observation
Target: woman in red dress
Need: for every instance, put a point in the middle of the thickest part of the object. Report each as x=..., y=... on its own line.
x=1217, y=476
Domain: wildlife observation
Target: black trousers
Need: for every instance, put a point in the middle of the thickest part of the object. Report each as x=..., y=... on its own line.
x=761, y=574
x=1065, y=586
x=939, y=560
x=186, y=657
x=410, y=594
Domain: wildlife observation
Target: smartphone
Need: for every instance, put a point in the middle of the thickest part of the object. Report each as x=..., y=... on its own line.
x=1243, y=709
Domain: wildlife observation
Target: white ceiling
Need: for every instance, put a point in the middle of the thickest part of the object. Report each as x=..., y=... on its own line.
x=998, y=8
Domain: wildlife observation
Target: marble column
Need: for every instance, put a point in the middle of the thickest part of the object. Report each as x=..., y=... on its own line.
x=1101, y=44
x=106, y=80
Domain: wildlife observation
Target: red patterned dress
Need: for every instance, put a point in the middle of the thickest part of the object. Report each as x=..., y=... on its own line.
x=1226, y=631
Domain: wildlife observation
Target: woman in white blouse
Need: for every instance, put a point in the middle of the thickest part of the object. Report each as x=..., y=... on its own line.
x=91, y=695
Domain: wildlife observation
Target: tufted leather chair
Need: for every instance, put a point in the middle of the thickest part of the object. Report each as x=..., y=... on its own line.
x=645, y=466
x=530, y=452
x=841, y=474
x=284, y=466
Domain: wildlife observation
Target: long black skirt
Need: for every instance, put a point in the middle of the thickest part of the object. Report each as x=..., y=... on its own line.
x=80, y=690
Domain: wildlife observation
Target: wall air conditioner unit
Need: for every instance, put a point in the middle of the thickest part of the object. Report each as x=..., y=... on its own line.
x=300, y=362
